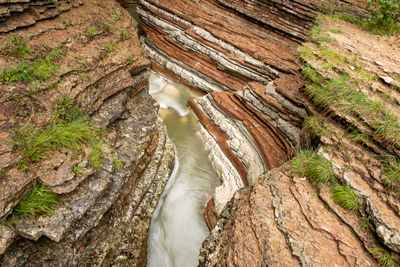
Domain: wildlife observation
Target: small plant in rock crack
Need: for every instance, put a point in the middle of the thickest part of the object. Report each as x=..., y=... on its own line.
x=96, y=155
x=313, y=125
x=36, y=143
x=346, y=197
x=40, y=200
x=391, y=172
x=79, y=168
x=385, y=259
x=117, y=163
x=314, y=167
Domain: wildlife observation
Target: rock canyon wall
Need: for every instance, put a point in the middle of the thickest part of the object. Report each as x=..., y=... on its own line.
x=97, y=65
x=243, y=55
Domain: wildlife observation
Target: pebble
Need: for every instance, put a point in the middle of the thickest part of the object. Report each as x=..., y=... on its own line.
x=387, y=79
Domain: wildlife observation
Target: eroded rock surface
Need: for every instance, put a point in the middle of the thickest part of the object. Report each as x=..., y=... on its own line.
x=280, y=221
x=103, y=213
x=244, y=55
x=252, y=115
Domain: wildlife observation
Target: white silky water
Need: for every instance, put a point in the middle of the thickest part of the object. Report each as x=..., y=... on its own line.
x=177, y=228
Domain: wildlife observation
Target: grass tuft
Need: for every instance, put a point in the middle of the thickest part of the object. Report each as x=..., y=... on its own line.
x=39, y=201
x=365, y=222
x=306, y=53
x=315, y=167
x=357, y=137
x=313, y=125
x=346, y=197
x=331, y=56
x=96, y=155
x=310, y=74
x=36, y=143
x=340, y=93
x=91, y=31
x=385, y=259
x=391, y=172
x=318, y=36
x=117, y=163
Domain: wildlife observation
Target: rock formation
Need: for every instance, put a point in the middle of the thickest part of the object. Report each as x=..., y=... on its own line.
x=91, y=50
x=212, y=53
x=243, y=54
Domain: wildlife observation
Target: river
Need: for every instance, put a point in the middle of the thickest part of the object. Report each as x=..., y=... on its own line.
x=177, y=227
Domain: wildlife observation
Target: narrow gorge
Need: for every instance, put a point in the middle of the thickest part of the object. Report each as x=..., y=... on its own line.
x=201, y=132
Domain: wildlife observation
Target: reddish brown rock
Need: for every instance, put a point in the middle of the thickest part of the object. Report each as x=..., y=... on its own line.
x=280, y=220
x=209, y=214
x=243, y=53
x=103, y=214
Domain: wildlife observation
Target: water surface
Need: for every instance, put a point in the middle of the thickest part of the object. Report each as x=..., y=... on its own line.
x=177, y=228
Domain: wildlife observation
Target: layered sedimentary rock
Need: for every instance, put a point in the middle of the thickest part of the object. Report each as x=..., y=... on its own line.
x=104, y=212
x=243, y=54
x=251, y=120
x=279, y=217
x=282, y=222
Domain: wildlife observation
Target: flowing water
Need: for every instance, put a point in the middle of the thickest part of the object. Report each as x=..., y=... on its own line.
x=177, y=228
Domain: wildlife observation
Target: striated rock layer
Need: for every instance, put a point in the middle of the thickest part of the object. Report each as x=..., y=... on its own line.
x=243, y=55
x=251, y=120
x=103, y=214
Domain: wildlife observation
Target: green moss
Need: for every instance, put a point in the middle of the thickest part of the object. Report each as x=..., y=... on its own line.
x=346, y=197
x=40, y=200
